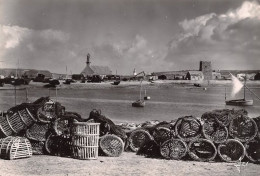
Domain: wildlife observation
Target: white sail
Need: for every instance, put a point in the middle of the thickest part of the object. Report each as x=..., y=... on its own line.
x=237, y=85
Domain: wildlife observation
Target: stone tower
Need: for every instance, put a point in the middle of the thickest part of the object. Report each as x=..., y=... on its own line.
x=205, y=67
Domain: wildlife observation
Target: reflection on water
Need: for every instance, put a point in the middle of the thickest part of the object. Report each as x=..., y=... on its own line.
x=165, y=103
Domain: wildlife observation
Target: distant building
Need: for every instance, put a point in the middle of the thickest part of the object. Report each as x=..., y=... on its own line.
x=90, y=70
x=216, y=75
x=205, y=67
x=171, y=75
x=34, y=73
x=195, y=75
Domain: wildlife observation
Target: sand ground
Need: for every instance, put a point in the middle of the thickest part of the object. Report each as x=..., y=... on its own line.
x=127, y=164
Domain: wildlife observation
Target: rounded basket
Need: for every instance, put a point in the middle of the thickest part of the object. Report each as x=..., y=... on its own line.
x=202, y=150
x=138, y=138
x=5, y=127
x=231, y=151
x=161, y=134
x=15, y=147
x=188, y=128
x=27, y=117
x=37, y=147
x=52, y=144
x=16, y=122
x=243, y=128
x=46, y=112
x=85, y=140
x=111, y=145
x=211, y=130
x=173, y=149
x=253, y=151
x=37, y=132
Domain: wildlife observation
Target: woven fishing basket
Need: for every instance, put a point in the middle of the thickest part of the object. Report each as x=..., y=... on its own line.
x=52, y=144
x=27, y=117
x=202, y=150
x=257, y=121
x=37, y=147
x=188, y=128
x=111, y=145
x=37, y=132
x=243, y=128
x=5, y=127
x=162, y=134
x=231, y=151
x=46, y=112
x=215, y=132
x=253, y=151
x=85, y=138
x=15, y=147
x=222, y=116
x=16, y=122
x=137, y=138
x=173, y=149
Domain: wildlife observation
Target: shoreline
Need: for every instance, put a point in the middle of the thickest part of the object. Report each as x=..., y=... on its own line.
x=134, y=84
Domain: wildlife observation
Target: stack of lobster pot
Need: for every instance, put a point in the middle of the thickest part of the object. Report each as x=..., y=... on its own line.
x=224, y=134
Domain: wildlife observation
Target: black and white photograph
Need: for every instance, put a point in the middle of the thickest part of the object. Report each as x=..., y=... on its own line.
x=130, y=87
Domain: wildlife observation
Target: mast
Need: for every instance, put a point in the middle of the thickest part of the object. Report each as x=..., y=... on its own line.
x=140, y=89
x=245, y=88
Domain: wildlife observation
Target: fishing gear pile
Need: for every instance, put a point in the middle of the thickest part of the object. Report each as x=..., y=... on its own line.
x=227, y=135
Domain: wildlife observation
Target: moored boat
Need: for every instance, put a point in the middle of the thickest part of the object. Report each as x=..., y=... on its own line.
x=138, y=103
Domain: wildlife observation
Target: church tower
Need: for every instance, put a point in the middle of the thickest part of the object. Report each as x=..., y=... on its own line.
x=88, y=59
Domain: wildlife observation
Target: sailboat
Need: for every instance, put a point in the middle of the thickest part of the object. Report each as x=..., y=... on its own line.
x=237, y=86
x=145, y=96
x=139, y=102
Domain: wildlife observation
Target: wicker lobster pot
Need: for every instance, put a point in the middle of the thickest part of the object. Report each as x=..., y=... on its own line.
x=85, y=140
x=162, y=134
x=111, y=145
x=257, y=121
x=37, y=147
x=173, y=149
x=243, y=128
x=15, y=147
x=188, y=128
x=202, y=150
x=5, y=127
x=37, y=132
x=231, y=151
x=27, y=117
x=138, y=138
x=253, y=151
x=46, y=112
x=215, y=132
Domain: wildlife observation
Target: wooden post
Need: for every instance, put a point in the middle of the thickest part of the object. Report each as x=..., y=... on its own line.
x=56, y=94
x=15, y=95
x=26, y=94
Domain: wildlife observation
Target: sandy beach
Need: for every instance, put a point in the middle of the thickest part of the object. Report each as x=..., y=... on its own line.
x=127, y=164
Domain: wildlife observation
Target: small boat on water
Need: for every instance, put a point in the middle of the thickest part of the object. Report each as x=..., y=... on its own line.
x=240, y=102
x=116, y=82
x=145, y=96
x=237, y=86
x=139, y=102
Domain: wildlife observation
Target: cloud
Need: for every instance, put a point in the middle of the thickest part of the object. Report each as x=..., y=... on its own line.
x=222, y=38
x=125, y=56
x=39, y=49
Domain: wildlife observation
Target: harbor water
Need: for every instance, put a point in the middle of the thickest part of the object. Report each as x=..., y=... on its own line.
x=166, y=103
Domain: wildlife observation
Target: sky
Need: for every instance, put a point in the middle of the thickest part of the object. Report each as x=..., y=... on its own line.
x=148, y=35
